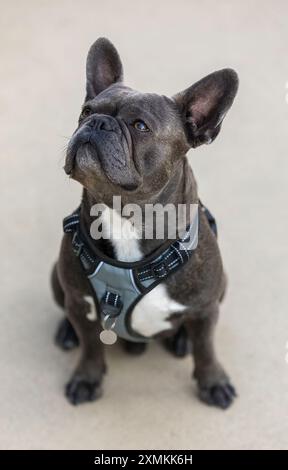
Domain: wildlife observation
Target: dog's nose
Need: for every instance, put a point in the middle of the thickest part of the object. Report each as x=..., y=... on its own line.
x=101, y=122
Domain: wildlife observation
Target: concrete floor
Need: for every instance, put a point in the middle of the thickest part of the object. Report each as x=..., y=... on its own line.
x=149, y=402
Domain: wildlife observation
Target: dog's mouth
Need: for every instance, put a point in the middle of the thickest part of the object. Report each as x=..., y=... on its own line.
x=77, y=143
x=102, y=152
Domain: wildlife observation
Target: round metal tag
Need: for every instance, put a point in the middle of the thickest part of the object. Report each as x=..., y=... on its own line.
x=108, y=337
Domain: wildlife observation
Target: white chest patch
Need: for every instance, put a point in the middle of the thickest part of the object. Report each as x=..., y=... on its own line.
x=122, y=235
x=150, y=315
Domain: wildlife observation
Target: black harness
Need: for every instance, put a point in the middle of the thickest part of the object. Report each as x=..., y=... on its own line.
x=118, y=286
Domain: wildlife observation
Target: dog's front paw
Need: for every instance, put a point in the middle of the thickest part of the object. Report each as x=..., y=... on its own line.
x=81, y=390
x=66, y=337
x=221, y=395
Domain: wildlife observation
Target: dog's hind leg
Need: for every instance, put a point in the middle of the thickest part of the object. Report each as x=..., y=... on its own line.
x=179, y=345
x=58, y=292
x=65, y=336
x=134, y=348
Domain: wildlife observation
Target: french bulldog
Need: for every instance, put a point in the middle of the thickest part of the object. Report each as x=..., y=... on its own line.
x=134, y=145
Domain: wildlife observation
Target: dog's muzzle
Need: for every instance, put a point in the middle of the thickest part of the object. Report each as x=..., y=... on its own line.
x=108, y=141
x=106, y=136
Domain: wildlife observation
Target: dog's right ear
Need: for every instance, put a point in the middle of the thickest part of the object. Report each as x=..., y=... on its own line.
x=103, y=67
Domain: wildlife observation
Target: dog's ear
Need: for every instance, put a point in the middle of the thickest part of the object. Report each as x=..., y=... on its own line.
x=203, y=105
x=103, y=67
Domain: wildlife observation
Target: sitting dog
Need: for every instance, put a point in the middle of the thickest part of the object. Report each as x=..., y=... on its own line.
x=134, y=145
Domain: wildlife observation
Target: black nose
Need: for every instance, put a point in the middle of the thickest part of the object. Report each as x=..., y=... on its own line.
x=101, y=122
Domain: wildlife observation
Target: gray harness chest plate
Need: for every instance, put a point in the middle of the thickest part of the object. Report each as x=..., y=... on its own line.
x=119, y=286
x=116, y=288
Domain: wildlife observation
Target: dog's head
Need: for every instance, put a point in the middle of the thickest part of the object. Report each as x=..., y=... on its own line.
x=129, y=142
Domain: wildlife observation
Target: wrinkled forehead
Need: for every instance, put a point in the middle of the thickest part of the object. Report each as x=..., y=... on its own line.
x=131, y=103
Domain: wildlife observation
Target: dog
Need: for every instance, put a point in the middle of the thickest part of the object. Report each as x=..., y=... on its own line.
x=134, y=145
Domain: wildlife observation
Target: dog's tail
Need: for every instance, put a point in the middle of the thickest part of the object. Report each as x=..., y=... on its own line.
x=57, y=290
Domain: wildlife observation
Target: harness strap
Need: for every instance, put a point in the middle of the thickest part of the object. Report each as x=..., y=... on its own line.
x=119, y=285
x=177, y=254
x=111, y=304
x=149, y=273
x=211, y=219
x=71, y=224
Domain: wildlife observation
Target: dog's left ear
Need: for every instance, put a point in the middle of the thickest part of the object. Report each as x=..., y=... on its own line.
x=103, y=67
x=203, y=105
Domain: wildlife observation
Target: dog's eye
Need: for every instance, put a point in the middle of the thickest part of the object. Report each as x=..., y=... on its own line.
x=141, y=126
x=85, y=113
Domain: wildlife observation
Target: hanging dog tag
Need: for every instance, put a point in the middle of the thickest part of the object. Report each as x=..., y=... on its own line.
x=107, y=336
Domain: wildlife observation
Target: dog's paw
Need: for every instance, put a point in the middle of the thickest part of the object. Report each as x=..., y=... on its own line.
x=134, y=348
x=221, y=395
x=66, y=337
x=179, y=345
x=80, y=391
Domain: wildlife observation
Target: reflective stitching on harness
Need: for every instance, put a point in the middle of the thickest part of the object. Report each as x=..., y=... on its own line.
x=72, y=219
x=159, y=269
x=178, y=252
x=173, y=263
x=163, y=275
x=168, y=256
x=133, y=281
x=184, y=248
x=73, y=222
x=88, y=256
x=147, y=278
x=96, y=270
x=144, y=272
x=149, y=270
x=155, y=262
x=170, y=265
x=186, y=236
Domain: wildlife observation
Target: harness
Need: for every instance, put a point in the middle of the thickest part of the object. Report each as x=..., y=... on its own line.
x=117, y=285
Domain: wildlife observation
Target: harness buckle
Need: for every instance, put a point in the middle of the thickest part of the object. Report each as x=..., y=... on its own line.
x=160, y=269
x=111, y=304
x=76, y=244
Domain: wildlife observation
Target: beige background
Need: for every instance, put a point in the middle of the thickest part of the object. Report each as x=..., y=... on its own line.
x=150, y=401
